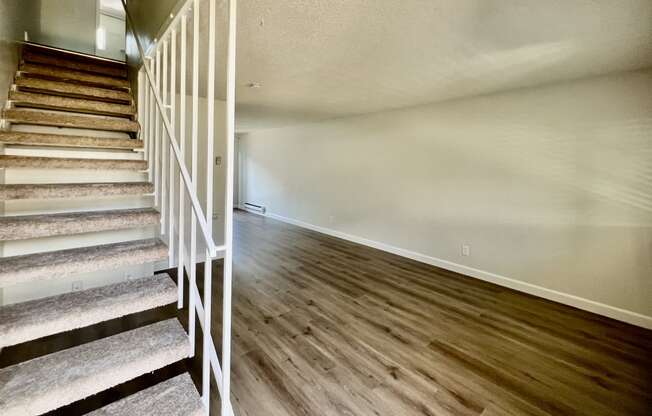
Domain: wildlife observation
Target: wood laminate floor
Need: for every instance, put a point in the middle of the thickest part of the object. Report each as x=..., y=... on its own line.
x=322, y=326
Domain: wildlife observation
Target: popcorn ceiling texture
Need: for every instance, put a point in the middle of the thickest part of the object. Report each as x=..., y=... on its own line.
x=39, y=318
x=41, y=139
x=46, y=383
x=22, y=227
x=7, y=161
x=174, y=397
x=61, y=263
x=73, y=190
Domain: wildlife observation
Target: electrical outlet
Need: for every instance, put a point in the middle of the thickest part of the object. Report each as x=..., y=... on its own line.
x=216, y=216
x=466, y=250
x=77, y=286
x=218, y=160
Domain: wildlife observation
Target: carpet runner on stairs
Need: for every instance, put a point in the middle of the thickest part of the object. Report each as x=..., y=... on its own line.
x=73, y=190
x=69, y=89
x=61, y=74
x=20, y=227
x=54, y=380
x=71, y=120
x=39, y=318
x=174, y=397
x=61, y=140
x=60, y=263
x=62, y=108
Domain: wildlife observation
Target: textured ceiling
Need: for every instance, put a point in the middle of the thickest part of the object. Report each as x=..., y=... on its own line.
x=317, y=59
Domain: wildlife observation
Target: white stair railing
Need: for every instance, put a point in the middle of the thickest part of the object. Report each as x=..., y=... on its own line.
x=156, y=106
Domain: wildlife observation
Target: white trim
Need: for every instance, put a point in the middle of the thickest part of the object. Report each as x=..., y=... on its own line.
x=542, y=292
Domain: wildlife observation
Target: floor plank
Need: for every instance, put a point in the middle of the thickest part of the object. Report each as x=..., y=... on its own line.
x=325, y=326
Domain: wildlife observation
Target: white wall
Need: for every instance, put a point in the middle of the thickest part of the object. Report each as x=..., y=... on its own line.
x=550, y=187
x=68, y=24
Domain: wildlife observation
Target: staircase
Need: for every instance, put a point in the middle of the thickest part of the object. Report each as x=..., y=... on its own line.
x=70, y=120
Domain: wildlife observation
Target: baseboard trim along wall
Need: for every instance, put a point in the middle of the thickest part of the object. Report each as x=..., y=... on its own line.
x=542, y=292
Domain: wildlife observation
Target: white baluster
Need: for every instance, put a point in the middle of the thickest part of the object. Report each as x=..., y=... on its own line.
x=173, y=92
x=182, y=147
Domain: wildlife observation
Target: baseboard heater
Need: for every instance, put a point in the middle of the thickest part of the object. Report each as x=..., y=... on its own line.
x=255, y=208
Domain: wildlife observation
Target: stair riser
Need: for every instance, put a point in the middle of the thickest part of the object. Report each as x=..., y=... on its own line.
x=53, y=102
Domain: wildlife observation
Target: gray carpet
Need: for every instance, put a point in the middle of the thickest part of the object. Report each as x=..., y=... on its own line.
x=21, y=227
x=61, y=263
x=73, y=190
x=46, y=383
x=175, y=397
x=42, y=317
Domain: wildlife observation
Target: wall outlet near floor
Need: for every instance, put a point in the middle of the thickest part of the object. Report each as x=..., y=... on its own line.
x=77, y=286
x=466, y=250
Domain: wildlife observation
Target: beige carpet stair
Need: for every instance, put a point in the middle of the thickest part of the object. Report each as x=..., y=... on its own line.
x=21, y=227
x=39, y=318
x=34, y=162
x=73, y=190
x=46, y=118
x=56, y=102
x=94, y=66
x=60, y=140
x=73, y=90
x=174, y=397
x=49, y=382
x=61, y=74
x=54, y=264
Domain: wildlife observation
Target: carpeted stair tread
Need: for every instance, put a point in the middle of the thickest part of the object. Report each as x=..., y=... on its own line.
x=21, y=227
x=174, y=397
x=46, y=118
x=105, y=68
x=60, y=140
x=73, y=190
x=39, y=318
x=62, y=74
x=61, y=263
x=49, y=382
x=38, y=162
x=70, y=89
x=82, y=105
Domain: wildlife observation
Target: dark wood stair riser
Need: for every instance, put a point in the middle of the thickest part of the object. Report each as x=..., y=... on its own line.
x=44, y=118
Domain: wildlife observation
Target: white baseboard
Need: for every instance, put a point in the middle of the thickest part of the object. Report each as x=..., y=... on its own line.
x=564, y=298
